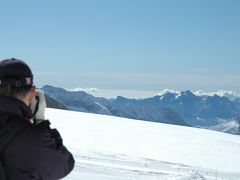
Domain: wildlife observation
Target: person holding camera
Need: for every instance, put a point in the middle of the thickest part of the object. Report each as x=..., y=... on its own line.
x=29, y=148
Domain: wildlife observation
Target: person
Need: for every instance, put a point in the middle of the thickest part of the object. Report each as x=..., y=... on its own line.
x=37, y=152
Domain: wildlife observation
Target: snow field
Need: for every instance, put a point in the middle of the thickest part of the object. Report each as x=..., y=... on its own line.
x=113, y=148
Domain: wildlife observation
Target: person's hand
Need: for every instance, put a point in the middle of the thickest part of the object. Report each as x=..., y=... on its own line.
x=38, y=107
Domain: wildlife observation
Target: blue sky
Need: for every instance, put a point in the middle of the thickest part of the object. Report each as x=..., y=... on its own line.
x=125, y=44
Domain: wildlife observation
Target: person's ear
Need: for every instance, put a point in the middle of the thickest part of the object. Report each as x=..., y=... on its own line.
x=32, y=94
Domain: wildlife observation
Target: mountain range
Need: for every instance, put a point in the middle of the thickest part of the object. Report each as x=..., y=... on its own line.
x=83, y=102
x=184, y=108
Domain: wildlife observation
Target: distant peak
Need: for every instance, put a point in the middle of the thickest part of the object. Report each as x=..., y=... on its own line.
x=167, y=91
x=167, y=96
x=49, y=87
x=187, y=93
x=121, y=98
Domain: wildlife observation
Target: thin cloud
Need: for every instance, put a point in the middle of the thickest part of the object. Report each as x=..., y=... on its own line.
x=87, y=89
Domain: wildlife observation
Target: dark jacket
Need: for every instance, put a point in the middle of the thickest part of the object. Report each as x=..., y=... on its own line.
x=37, y=152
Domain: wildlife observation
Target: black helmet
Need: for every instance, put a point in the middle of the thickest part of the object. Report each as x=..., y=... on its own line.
x=15, y=73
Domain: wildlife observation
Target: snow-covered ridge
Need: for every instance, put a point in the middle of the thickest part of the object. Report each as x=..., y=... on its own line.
x=184, y=108
x=230, y=94
x=85, y=133
x=108, y=93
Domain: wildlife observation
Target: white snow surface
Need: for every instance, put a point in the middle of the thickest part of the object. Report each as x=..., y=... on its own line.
x=113, y=148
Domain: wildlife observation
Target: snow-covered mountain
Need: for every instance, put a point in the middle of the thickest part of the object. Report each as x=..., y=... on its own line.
x=81, y=101
x=199, y=110
x=231, y=126
x=195, y=110
x=78, y=100
x=181, y=108
x=232, y=95
x=113, y=148
x=129, y=108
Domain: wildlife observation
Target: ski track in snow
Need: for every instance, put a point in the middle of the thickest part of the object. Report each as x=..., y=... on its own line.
x=92, y=166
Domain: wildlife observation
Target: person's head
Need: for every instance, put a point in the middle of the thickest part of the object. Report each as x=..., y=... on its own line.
x=16, y=80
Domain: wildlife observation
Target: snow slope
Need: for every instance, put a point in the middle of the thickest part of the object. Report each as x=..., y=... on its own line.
x=232, y=127
x=113, y=148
